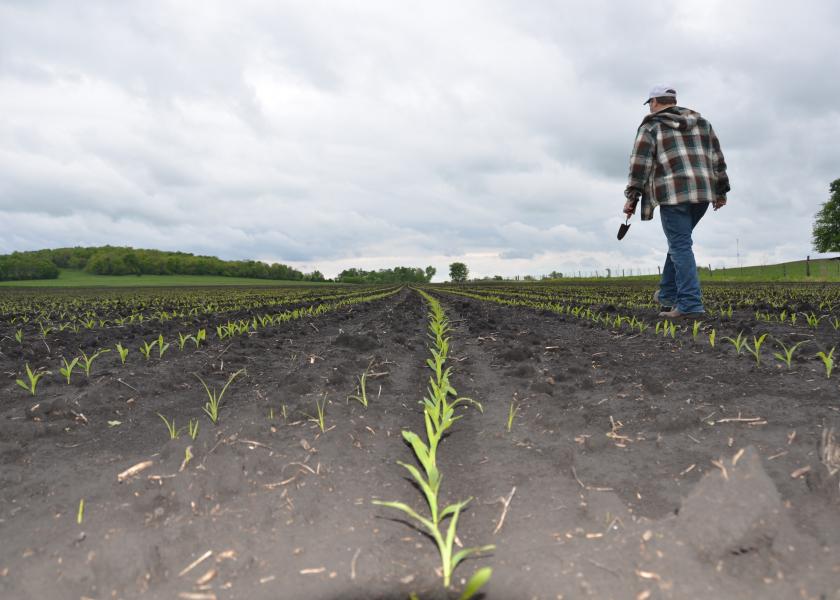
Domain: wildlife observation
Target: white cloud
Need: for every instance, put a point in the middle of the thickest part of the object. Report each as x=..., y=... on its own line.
x=333, y=135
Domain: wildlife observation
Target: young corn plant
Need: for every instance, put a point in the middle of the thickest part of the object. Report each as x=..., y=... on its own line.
x=33, y=378
x=513, y=409
x=123, y=352
x=192, y=429
x=19, y=336
x=162, y=347
x=170, y=427
x=695, y=330
x=828, y=361
x=146, y=348
x=86, y=362
x=786, y=356
x=737, y=342
x=362, y=391
x=182, y=340
x=321, y=411
x=812, y=319
x=756, y=348
x=211, y=407
x=712, y=335
x=67, y=370
x=199, y=337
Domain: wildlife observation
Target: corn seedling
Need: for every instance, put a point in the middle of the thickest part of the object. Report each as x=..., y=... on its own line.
x=475, y=583
x=19, y=336
x=183, y=339
x=445, y=543
x=756, y=348
x=695, y=329
x=835, y=322
x=199, y=337
x=211, y=407
x=162, y=347
x=170, y=427
x=67, y=370
x=146, y=348
x=793, y=318
x=828, y=361
x=512, y=410
x=712, y=335
x=737, y=342
x=362, y=396
x=192, y=429
x=80, y=514
x=812, y=319
x=123, y=352
x=33, y=377
x=786, y=356
x=86, y=361
x=188, y=456
x=321, y=408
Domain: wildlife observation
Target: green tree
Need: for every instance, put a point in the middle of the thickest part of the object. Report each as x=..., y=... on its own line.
x=458, y=272
x=827, y=223
x=430, y=272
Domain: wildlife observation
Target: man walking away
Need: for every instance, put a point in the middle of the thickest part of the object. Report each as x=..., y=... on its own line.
x=677, y=165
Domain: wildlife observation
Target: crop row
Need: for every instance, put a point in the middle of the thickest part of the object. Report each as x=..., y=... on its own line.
x=770, y=299
x=677, y=331
x=439, y=406
x=159, y=347
x=22, y=325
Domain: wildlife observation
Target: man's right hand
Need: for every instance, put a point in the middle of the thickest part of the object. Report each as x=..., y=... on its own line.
x=630, y=208
x=718, y=203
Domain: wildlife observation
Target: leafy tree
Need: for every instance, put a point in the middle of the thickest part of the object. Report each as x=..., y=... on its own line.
x=111, y=260
x=395, y=275
x=458, y=272
x=430, y=272
x=827, y=224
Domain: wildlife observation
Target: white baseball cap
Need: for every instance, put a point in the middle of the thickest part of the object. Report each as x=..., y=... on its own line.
x=661, y=90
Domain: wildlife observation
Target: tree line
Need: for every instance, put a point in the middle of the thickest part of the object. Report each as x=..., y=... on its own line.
x=395, y=275
x=113, y=260
x=117, y=260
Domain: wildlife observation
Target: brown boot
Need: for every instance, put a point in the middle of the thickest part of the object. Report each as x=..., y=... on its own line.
x=675, y=314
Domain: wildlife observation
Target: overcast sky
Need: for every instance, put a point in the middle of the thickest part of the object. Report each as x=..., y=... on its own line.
x=381, y=133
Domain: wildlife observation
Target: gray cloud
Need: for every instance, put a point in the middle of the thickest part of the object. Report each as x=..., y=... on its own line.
x=330, y=135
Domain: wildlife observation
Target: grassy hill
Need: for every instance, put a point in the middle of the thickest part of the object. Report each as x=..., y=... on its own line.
x=823, y=269
x=76, y=278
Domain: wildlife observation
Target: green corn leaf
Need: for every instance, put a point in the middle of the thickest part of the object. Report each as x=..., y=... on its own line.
x=476, y=582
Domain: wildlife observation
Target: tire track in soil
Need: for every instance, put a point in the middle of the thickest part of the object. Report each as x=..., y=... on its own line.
x=572, y=379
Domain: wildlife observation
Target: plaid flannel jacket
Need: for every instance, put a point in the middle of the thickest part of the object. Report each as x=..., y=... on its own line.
x=676, y=159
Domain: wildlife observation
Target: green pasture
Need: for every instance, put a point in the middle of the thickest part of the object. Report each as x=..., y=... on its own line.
x=71, y=278
x=821, y=271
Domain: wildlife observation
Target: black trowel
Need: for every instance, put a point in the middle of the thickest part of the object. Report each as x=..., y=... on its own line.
x=623, y=228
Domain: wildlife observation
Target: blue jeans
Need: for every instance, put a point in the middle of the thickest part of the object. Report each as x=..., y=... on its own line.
x=679, y=285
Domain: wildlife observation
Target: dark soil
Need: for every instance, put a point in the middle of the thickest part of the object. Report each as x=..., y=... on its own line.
x=642, y=468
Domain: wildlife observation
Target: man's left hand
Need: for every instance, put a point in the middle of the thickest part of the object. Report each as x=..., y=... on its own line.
x=630, y=208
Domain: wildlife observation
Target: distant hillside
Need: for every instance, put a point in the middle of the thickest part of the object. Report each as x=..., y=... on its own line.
x=113, y=260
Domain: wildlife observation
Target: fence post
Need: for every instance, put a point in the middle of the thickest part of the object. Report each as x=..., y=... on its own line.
x=808, y=266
